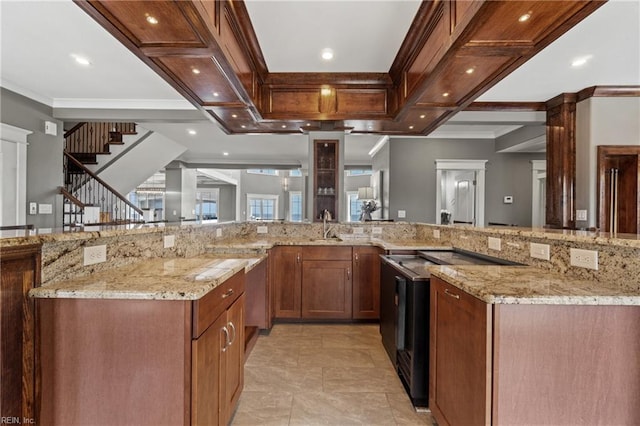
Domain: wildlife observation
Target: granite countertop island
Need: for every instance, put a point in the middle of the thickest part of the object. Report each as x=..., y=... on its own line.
x=155, y=279
x=528, y=285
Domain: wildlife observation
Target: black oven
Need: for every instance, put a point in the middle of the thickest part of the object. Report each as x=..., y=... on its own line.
x=404, y=312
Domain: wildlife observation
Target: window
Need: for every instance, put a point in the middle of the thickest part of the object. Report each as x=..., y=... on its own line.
x=262, y=206
x=358, y=172
x=270, y=172
x=207, y=205
x=295, y=173
x=353, y=206
x=295, y=206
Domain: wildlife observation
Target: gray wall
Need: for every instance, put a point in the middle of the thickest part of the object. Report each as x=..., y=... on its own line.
x=412, y=178
x=44, y=154
x=381, y=162
x=601, y=121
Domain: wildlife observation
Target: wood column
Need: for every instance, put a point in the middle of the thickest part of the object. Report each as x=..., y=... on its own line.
x=561, y=161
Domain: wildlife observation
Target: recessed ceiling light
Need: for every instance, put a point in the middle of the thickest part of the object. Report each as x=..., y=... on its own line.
x=243, y=126
x=578, y=62
x=152, y=20
x=192, y=132
x=195, y=71
x=470, y=70
x=225, y=154
x=284, y=126
x=216, y=94
x=410, y=127
x=525, y=17
x=327, y=54
x=422, y=116
x=308, y=124
x=81, y=60
x=234, y=115
x=445, y=94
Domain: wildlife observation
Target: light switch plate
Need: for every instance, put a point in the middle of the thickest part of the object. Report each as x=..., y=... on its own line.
x=540, y=251
x=95, y=254
x=262, y=230
x=376, y=230
x=436, y=233
x=495, y=243
x=402, y=214
x=45, y=209
x=584, y=258
x=169, y=241
x=218, y=232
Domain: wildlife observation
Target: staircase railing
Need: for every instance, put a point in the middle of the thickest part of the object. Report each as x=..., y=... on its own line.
x=83, y=189
x=94, y=138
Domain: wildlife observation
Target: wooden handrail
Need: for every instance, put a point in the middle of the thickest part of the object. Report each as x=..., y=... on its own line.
x=71, y=198
x=103, y=183
x=74, y=129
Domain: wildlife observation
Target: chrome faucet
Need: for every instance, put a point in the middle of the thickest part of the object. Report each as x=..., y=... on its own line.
x=325, y=229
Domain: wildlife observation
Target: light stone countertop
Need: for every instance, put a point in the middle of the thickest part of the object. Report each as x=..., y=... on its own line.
x=156, y=279
x=529, y=285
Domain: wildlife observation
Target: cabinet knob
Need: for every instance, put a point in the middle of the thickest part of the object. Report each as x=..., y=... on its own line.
x=348, y=273
x=298, y=258
x=356, y=257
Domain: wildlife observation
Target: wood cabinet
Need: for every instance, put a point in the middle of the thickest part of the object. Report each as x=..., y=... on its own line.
x=325, y=188
x=366, y=282
x=20, y=272
x=325, y=282
x=531, y=364
x=286, y=278
x=117, y=361
x=459, y=376
x=326, y=289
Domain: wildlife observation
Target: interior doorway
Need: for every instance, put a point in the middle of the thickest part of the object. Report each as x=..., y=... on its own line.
x=618, y=185
x=460, y=191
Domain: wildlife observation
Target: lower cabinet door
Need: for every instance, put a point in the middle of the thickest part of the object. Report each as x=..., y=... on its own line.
x=206, y=366
x=233, y=361
x=326, y=289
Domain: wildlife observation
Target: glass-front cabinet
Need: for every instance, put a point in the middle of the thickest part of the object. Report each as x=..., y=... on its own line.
x=325, y=179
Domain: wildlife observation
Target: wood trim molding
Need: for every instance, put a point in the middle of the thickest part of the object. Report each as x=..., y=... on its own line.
x=506, y=106
x=608, y=91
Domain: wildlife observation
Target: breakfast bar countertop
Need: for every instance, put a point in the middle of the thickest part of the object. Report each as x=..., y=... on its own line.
x=154, y=279
x=528, y=285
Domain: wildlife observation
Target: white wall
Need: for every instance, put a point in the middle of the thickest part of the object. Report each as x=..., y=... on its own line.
x=601, y=121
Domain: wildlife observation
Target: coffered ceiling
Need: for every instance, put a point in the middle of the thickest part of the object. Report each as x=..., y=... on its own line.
x=119, y=81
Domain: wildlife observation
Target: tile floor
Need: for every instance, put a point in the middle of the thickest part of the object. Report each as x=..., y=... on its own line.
x=308, y=374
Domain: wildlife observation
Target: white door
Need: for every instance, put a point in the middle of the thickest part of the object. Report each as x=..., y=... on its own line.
x=464, y=184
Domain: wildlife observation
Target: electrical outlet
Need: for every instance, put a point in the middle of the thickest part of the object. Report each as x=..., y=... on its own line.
x=218, y=232
x=376, y=230
x=358, y=230
x=540, y=251
x=262, y=230
x=169, y=241
x=402, y=214
x=436, y=233
x=495, y=243
x=33, y=208
x=581, y=215
x=584, y=258
x=95, y=254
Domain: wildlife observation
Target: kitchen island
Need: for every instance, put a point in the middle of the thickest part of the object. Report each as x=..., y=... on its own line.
x=511, y=345
x=157, y=342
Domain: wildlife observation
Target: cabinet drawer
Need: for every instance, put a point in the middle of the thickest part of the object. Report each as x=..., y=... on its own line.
x=212, y=304
x=327, y=253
